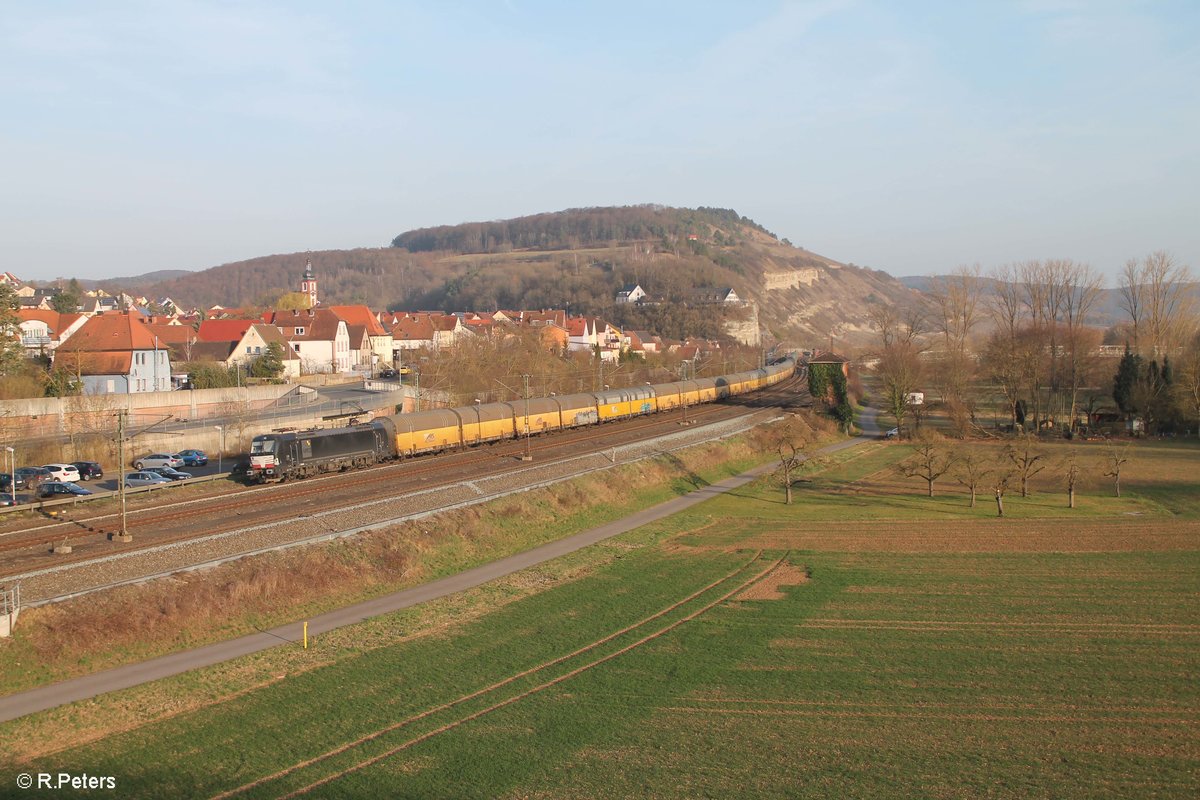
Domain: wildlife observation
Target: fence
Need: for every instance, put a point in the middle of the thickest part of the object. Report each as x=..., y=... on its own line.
x=10, y=606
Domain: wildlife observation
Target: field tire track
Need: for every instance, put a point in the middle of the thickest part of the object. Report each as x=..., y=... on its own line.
x=564, y=677
x=487, y=689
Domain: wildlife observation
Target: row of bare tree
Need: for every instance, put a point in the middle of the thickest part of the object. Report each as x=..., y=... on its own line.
x=999, y=470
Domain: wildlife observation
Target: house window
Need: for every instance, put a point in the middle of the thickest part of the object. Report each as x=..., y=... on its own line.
x=110, y=385
x=257, y=349
x=248, y=350
x=299, y=331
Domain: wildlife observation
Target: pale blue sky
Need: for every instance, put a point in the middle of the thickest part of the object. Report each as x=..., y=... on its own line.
x=906, y=136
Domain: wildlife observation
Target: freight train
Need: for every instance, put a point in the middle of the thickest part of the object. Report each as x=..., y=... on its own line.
x=299, y=454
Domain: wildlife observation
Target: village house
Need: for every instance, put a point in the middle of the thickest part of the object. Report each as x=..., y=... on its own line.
x=447, y=330
x=642, y=342
x=369, y=341
x=42, y=330
x=409, y=332
x=631, y=293
x=116, y=353
x=242, y=341
x=713, y=296
x=827, y=357
x=318, y=336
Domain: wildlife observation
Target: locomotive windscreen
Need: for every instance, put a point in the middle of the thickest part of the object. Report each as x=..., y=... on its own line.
x=262, y=445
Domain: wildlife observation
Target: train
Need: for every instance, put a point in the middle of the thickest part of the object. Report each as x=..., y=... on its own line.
x=285, y=455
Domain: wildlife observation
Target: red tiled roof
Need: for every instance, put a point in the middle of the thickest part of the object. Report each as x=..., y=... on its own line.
x=95, y=362
x=410, y=327
x=320, y=324
x=443, y=322
x=48, y=316
x=224, y=330
x=111, y=332
x=172, y=334
x=359, y=315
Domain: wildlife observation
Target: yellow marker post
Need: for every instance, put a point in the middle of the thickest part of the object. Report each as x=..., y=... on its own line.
x=306, y=635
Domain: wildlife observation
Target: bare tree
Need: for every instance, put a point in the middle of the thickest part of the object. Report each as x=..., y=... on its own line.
x=956, y=301
x=1027, y=459
x=1001, y=481
x=973, y=469
x=1187, y=381
x=1154, y=295
x=790, y=440
x=1081, y=290
x=930, y=460
x=1005, y=301
x=1072, y=472
x=1118, y=457
x=899, y=366
x=1131, y=298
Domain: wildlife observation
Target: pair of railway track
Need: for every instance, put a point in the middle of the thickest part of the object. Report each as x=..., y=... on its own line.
x=87, y=534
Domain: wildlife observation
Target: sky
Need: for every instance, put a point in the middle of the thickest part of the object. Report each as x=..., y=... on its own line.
x=911, y=137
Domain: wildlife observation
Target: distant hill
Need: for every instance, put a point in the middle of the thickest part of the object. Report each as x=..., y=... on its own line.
x=135, y=282
x=1106, y=313
x=578, y=259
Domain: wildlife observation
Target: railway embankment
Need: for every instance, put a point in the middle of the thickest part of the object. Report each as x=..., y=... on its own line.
x=402, y=542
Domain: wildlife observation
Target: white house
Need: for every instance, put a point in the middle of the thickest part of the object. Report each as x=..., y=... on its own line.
x=630, y=293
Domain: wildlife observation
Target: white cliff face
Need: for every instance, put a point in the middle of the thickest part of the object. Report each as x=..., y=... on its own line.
x=790, y=279
x=745, y=330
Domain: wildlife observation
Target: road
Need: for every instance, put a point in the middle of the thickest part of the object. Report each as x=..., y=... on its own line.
x=88, y=686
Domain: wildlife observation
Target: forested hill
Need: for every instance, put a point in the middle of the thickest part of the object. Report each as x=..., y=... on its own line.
x=576, y=227
x=578, y=259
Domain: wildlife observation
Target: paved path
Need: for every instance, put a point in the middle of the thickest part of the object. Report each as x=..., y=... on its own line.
x=88, y=686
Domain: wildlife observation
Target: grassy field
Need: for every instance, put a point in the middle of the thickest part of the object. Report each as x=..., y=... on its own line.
x=143, y=621
x=745, y=649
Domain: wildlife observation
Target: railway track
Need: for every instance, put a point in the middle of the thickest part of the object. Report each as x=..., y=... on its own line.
x=154, y=527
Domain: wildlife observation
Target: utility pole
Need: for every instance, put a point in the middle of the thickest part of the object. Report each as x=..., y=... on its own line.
x=528, y=453
x=124, y=535
x=684, y=366
x=418, y=374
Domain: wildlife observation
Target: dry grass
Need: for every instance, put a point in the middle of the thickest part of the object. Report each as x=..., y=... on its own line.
x=134, y=623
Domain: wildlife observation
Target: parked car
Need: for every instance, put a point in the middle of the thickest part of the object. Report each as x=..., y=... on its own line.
x=31, y=476
x=135, y=479
x=389, y=374
x=193, y=458
x=892, y=434
x=89, y=470
x=6, y=482
x=67, y=473
x=62, y=489
x=158, y=460
x=169, y=473
x=6, y=501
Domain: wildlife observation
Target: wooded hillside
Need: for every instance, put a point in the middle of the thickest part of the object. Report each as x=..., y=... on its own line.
x=577, y=259
x=577, y=227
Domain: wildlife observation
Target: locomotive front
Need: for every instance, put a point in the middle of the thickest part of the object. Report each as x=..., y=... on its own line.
x=264, y=459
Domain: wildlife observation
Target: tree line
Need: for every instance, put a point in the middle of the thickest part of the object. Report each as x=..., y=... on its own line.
x=572, y=229
x=1026, y=332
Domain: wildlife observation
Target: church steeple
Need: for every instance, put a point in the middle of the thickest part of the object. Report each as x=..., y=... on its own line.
x=309, y=284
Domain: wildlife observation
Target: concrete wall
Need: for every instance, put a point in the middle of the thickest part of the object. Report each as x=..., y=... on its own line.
x=45, y=416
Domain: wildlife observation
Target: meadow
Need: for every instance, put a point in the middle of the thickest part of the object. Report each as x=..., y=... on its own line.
x=751, y=649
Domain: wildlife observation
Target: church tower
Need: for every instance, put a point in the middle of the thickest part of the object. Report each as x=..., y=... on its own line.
x=309, y=285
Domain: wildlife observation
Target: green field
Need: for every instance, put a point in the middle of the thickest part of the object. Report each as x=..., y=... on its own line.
x=931, y=656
